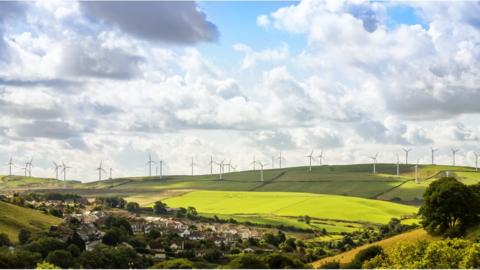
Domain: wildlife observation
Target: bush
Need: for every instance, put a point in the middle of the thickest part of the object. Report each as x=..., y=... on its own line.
x=4, y=240
x=46, y=265
x=174, y=264
x=133, y=207
x=24, y=236
x=247, y=261
x=330, y=265
x=364, y=255
x=61, y=258
x=159, y=208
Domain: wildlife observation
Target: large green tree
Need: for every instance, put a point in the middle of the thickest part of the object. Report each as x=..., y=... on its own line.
x=449, y=206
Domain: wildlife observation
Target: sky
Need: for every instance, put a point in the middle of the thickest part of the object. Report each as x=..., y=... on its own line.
x=84, y=82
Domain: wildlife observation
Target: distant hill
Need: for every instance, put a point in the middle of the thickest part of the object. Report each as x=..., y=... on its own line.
x=22, y=182
x=13, y=218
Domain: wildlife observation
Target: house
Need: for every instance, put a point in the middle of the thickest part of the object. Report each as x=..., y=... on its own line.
x=248, y=250
x=184, y=233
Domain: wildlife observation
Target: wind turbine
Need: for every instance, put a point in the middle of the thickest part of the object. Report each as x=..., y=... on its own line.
x=233, y=168
x=211, y=164
x=253, y=163
x=310, y=157
x=100, y=170
x=111, y=173
x=320, y=157
x=65, y=167
x=454, y=152
x=374, y=159
x=220, y=169
x=398, y=165
x=261, y=170
x=26, y=168
x=29, y=165
x=161, y=168
x=229, y=164
x=433, y=154
x=192, y=164
x=280, y=158
x=56, y=169
x=476, y=161
x=273, y=162
x=10, y=164
x=149, y=163
x=406, y=154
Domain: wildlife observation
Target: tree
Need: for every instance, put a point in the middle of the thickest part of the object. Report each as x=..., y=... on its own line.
x=62, y=258
x=119, y=222
x=191, y=212
x=4, y=240
x=24, y=236
x=247, y=261
x=159, y=208
x=114, y=236
x=46, y=265
x=449, y=206
x=281, y=261
x=55, y=212
x=133, y=207
x=307, y=219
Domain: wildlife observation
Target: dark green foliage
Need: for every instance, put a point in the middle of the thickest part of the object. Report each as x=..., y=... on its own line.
x=4, y=240
x=174, y=264
x=119, y=222
x=45, y=245
x=74, y=250
x=288, y=245
x=24, y=236
x=449, y=206
x=55, y=212
x=330, y=265
x=75, y=239
x=121, y=257
x=114, y=236
x=247, y=261
x=113, y=202
x=281, y=261
x=61, y=258
x=364, y=255
x=213, y=255
x=133, y=207
x=159, y=208
x=191, y=212
x=153, y=234
x=181, y=212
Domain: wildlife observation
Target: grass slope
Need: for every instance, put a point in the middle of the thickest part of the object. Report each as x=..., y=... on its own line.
x=13, y=218
x=347, y=256
x=22, y=182
x=291, y=204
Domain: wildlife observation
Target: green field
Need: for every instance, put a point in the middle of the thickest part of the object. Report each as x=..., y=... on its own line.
x=14, y=218
x=292, y=204
x=21, y=182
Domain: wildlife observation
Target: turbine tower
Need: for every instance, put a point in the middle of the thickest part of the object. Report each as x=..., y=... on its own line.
x=398, y=165
x=211, y=164
x=10, y=164
x=192, y=164
x=65, y=167
x=29, y=165
x=161, y=168
x=220, y=169
x=100, y=170
x=253, y=163
x=280, y=158
x=433, y=154
x=57, y=166
x=149, y=163
x=25, y=169
x=406, y=154
x=476, y=160
x=374, y=159
x=454, y=152
x=261, y=170
x=273, y=162
x=320, y=158
x=111, y=173
x=310, y=158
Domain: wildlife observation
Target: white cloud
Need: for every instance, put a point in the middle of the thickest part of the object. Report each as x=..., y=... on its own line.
x=263, y=21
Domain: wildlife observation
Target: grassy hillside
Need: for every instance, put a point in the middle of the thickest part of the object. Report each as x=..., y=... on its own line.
x=13, y=218
x=22, y=182
x=347, y=256
x=292, y=205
